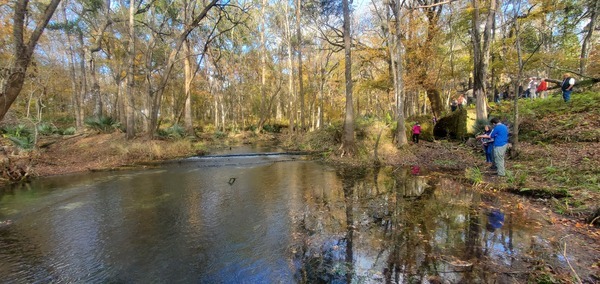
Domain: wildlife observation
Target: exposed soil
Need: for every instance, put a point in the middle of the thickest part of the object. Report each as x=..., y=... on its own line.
x=80, y=154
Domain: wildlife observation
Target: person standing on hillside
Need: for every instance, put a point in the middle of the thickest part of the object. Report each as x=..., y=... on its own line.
x=416, y=130
x=500, y=136
x=532, y=88
x=541, y=88
x=461, y=101
x=453, y=105
x=567, y=86
x=488, y=146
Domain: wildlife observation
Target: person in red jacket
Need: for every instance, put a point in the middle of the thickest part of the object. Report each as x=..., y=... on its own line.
x=416, y=130
x=541, y=88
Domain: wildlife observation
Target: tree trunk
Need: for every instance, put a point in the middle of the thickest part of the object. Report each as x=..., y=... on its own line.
x=83, y=91
x=189, y=76
x=130, y=128
x=263, y=70
x=76, y=98
x=291, y=85
x=96, y=46
x=481, y=56
x=396, y=54
x=587, y=43
x=171, y=60
x=433, y=93
x=348, y=146
x=23, y=51
x=299, y=54
x=515, y=133
x=95, y=92
x=435, y=99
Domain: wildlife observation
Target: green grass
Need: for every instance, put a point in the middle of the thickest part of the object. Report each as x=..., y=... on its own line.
x=474, y=174
x=445, y=163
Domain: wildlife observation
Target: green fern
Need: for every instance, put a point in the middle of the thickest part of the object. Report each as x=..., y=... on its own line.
x=103, y=123
x=475, y=175
x=173, y=132
x=69, y=131
x=23, y=142
x=16, y=131
x=46, y=129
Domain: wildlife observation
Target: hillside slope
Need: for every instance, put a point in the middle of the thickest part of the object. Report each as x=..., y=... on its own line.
x=558, y=154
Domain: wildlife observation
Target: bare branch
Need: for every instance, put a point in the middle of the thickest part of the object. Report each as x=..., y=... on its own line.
x=434, y=5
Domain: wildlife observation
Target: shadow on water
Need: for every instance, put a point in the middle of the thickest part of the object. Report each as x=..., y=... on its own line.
x=265, y=218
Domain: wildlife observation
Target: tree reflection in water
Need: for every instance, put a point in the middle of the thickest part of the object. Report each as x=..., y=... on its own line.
x=399, y=227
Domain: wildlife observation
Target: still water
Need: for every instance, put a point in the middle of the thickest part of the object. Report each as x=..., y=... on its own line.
x=266, y=218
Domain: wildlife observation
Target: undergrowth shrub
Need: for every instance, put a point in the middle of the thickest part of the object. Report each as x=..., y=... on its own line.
x=23, y=142
x=173, y=132
x=220, y=134
x=325, y=139
x=20, y=135
x=46, y=128
x=474, y=174
x=69, y=131
x=273, y=128
x=103, y=124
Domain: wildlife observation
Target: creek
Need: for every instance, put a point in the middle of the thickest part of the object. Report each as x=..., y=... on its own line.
x=262, y=218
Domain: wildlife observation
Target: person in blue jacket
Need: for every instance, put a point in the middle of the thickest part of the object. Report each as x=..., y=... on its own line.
x=500, y=136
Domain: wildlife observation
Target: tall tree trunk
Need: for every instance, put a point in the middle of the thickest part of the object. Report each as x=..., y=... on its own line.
x=95, y=91
x=433, y=93
x=398, y=69
x=189, y=76
x=322, y=65
x=95, y=47
x=263, y=69
x=23, y=51
x=481, y=56
x=299, y=54
x=348, y=144
x=515, y=133
x=120, y=100
x=84, y=78
x=291, y=85
x=587, y=43
x=130, y=76
x=77, y=95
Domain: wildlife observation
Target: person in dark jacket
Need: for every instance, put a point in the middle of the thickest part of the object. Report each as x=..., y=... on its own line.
x=500, y=136
x=567, y=86
x=488, y=145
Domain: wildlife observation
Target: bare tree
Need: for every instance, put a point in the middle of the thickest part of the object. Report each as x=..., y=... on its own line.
x=171, y=60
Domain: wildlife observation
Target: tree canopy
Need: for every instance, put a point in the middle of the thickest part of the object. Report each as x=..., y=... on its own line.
x=231, y=65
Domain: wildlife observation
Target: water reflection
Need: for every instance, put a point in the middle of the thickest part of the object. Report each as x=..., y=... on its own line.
x=402, y=228
x=283, y=220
